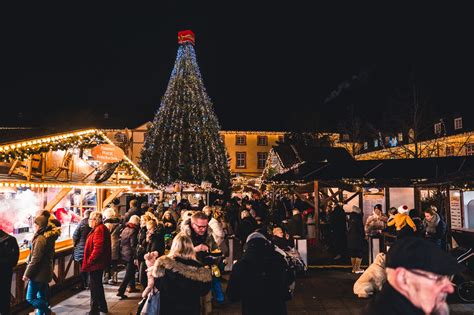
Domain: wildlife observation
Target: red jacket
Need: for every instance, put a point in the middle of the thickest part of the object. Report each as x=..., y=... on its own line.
x=97, y=253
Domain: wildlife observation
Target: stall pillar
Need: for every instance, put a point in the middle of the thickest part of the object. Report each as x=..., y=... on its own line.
x=316, y=206
x=417, y=195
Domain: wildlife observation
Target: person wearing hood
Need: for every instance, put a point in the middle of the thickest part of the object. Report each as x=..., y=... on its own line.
x=246, y=226
x=39, y=269
x=337, y=221
x=181, y=279
x=404, y=225
x=376, y=222
x=112, y=222
x=355, y=238
x=128, y=245
x=434, y=226
x=295, y=224
x=79, y=238
x=96, y=259
x=260, y=280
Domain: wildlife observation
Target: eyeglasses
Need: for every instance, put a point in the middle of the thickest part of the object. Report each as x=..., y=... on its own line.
x=201, y=227
x=436, y=278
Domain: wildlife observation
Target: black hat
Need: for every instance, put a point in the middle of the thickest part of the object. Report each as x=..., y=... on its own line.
x=417, y=253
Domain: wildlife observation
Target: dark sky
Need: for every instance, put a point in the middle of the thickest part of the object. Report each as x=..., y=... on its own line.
x=265, y=66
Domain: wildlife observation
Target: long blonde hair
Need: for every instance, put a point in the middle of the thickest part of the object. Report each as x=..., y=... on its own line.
x=182, y=247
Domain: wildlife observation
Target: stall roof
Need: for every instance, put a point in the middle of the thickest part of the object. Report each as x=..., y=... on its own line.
x=391, y=171
x=23, y=142
x=291, y=155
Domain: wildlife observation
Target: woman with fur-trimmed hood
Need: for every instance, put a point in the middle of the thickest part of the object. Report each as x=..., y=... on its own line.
x=181, y=279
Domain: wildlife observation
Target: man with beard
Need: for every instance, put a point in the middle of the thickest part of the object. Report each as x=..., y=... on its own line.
x=417, y=279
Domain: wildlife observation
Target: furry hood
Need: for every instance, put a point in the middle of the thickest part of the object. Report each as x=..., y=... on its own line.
x=403, y=209
x=195, y=273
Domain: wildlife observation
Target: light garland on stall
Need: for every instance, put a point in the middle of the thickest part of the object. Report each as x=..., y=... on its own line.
x=24, y=184
x=80, y=139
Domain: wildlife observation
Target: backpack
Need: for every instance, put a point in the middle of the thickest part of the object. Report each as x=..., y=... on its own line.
x=9, y=251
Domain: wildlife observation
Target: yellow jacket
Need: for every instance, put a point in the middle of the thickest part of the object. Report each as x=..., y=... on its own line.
x=400, y=220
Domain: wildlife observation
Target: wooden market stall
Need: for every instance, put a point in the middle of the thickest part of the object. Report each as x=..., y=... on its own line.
x=65, y=174
x=331, y=175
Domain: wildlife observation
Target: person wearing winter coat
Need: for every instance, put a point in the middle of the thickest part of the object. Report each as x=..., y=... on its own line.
x=376, y=222
x=112, y=222
x=355, y=238
x=337, y=222
x=39, y=269
x=281, y=240
x=128, y=246
x=134, y=210
x=295, y=224
x=260, y=280
x=390, y=228
x=181, y=279
x=404, y=225
x=216, y=226
x=169, y=223
x=97, y=258
x=10, y=253
x=246, y=226
x=79, y=238
x=434, y=227
x=154, y=242
x=140, y=251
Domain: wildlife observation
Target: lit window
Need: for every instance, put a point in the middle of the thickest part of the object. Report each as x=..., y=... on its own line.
x=450, y=150
x=366, y=145
x=240, y=160
x=437, y=128
x=240, y=140
x=376, y=143
x=261, y=159
x=458, y=123
x=262, y=140
x=400, y=137
x=470, y=149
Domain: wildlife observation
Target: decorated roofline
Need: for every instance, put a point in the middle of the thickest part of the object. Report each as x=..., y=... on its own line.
x=81, y=138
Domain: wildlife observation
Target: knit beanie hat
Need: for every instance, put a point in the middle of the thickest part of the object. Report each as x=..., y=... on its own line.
x=403, y=209
x=41, y=221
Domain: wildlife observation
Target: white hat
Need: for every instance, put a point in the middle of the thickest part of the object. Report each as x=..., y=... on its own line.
x=403, y=209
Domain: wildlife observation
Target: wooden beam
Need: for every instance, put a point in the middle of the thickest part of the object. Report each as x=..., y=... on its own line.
x=61, y=194
x=351, y=197
x=113, y=194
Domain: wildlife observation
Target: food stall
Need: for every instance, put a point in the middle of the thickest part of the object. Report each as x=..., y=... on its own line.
x=65, y=174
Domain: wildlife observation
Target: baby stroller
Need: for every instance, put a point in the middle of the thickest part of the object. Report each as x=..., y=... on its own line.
x=464, y=254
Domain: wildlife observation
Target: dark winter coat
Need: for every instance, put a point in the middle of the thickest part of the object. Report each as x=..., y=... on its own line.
x=260, y=280
x=337, y=221
x=245, y=228
x=169, y=229
x=355, y=233
x=97, y=252
x=114, y=228
x=157, y=241
x=181, y=284
x=79, y=238
x=130, y=212
x=295, y=225
x=391, y=302
x=9, y=251
x=40, y=261
x=128, y=242
x=282, y=243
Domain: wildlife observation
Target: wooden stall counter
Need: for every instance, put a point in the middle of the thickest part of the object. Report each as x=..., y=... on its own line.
x=58, y=247
x=65, y=272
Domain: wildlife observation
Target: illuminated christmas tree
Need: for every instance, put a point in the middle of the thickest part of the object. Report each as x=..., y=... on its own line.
x=183, y=141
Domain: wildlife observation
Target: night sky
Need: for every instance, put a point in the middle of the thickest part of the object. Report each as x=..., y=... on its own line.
x=265, y=67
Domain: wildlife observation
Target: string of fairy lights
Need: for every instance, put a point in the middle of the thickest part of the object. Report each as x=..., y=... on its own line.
x=83, y=139
x=183, y=141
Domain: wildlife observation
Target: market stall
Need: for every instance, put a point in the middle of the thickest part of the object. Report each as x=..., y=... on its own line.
x=65, y=174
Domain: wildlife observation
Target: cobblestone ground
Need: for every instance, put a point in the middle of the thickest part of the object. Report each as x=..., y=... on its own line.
x=320, y=291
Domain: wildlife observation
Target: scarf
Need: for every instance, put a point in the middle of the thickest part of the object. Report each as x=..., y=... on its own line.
x=430, y=226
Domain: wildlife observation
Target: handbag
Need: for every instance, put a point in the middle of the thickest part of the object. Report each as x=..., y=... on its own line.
x=152, y=303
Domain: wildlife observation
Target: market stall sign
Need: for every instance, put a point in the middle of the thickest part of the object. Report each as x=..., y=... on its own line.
x=107, y=153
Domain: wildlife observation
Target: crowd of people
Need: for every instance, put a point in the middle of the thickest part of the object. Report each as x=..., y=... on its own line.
x=181, y=250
